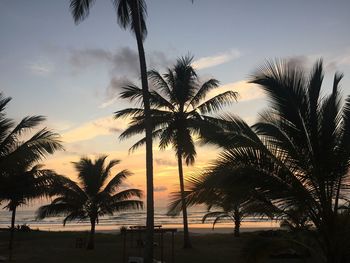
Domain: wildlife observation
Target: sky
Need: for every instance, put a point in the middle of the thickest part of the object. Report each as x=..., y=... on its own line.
x=72, y=73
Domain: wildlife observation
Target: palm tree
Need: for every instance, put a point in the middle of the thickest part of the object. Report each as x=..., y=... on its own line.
x=233, y=213
x=23, y=186
x=295, y=219
x=299, y=151
x=233, y=203
x=131, y=14
x=21, y=178
x=178, y=109
x=93, y=196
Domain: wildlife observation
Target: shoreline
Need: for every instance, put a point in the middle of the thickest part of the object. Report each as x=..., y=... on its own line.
x=223, y=228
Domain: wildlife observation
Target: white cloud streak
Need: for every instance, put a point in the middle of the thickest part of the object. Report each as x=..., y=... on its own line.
x=211, y=61
x=40, y=68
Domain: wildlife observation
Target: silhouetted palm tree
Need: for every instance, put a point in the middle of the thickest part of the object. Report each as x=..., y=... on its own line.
x=234, y=214
x=299, y=152
x=19, y=175
x=131, y=14
x=94, y=196
x=178, y=109
x=22, y=186
x=295, y=219
x=234, y=203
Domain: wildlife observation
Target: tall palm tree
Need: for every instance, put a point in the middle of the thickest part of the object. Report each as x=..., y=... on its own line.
x=299, y=151
x=131, y=14
x=20, y=177
x=178, y=109
x=93, y=196
x=22, y=186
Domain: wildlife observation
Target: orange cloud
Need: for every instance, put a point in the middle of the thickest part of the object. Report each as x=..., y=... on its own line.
x=89, y=130
x=246, y=91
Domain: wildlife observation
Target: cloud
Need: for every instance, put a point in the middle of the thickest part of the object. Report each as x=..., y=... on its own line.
x=123, y=66
x=165, y=162
x=298, y=61
x=41, y=68
x=246, y=91
x=86, y=57
x=113, y=89
x=331, y=62
x=123, y=61
x=89, y=130
x=345, y=60
x=161, y=188
x=211, y=61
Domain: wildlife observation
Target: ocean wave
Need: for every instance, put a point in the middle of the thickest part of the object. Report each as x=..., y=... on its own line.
x=117, y=220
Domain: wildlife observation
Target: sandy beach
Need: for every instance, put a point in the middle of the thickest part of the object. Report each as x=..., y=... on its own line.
x=224, y=228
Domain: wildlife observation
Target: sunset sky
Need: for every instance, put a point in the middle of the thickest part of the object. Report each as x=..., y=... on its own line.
x=72, y=73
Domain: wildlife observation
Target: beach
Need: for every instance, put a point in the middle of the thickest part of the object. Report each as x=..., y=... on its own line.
x=58, y=247
x=51, y=241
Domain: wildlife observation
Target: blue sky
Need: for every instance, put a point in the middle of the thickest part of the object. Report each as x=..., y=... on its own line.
x=70, y=73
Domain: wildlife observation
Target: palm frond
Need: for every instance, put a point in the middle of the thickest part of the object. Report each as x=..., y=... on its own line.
x=116, y=181
x=118, y=206
x=126, y=194
x=218, y=102
x=158, y=101
x=80, y=9
x=41, y=144
x=129, y=112
x=4, y=101
x=161, y=84
x=135, y=128
x=107, y=170
x=203, y=91
x=213, y=214
x=24, y=125
x=129, y=11
x=219, y=218
x=142, y=142
x=132, y=93
x=80, y=215
x=57, y=209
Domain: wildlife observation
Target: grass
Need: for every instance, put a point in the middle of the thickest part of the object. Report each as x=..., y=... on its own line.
x=59, y=247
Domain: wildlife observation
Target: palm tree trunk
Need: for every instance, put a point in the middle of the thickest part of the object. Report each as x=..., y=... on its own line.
x=148, y=253
x=237, y=219
x=336, y=203
x=187, y=242
x=12, y=232
x=91, y=242
x=236, y=232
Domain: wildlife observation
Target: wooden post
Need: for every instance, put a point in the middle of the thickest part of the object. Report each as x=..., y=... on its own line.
x=124, y=246
x=161, y=247
x=139, y=243
x=172, y=247
x=131, y=239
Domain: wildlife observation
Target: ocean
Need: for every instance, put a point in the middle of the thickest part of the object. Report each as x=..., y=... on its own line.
x=132, y=218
